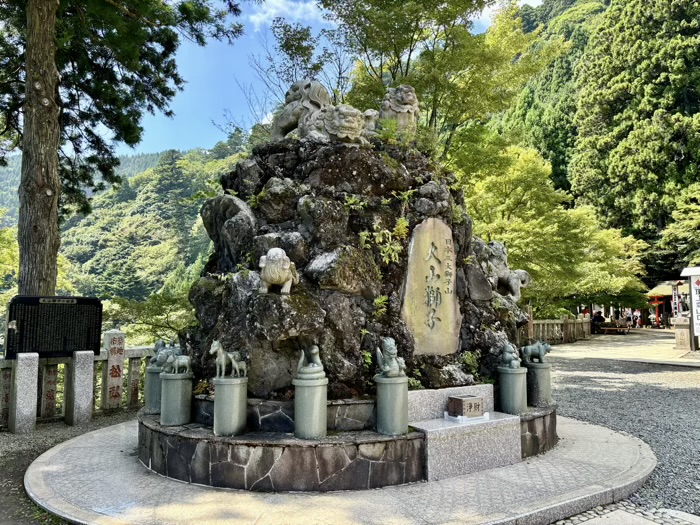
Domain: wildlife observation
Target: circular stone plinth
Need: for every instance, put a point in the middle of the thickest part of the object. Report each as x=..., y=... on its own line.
x=275, y=462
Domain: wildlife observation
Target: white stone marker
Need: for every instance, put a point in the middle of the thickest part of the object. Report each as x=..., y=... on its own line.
x=112, y=372
x=430, y=307
x=78, y=385
x=23, y=399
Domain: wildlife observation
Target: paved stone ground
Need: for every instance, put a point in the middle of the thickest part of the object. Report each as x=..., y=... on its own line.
x=18, y=451
x=97, y=479
x=658, y=403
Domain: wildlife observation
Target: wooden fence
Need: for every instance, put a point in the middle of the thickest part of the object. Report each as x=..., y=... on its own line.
x=554, y=331
x=51, y=382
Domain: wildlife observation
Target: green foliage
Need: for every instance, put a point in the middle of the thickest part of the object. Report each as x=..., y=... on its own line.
x=366, y=359
x=144, y=230
x=682, y=237
x=116, y=60
x=9, y=254
x=571, y=259
x=354, y=203
x=542, y=116
x=470, y=362
x=380, y=304
x=638, y=114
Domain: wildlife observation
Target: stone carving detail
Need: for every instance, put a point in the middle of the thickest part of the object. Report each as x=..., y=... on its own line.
x=509, y=356
x=276, y=268
x=401, y=104
x=310, y=366
x=504, y=280
x=535, y=351
x=371, y=118
x=301, y=104
x=390, y=365
x=430, y=307
x=238, y=366
x=175, y=363
x=345, y=124
x=161, y=354
x=309, y=110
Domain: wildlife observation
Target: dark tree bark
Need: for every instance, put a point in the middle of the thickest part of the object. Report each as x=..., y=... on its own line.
x=40, y=186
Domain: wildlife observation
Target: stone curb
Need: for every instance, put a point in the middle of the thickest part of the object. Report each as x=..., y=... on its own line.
x=116, y=490
x=676, y=362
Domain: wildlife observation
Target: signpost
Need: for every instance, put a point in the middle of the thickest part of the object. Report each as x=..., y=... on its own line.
x=53, y=326
x=693, y=275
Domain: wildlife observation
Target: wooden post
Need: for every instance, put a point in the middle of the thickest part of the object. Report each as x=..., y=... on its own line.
x=530, y=325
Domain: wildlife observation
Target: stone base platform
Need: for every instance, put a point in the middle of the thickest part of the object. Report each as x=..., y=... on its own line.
x=96, y=479
x=275, y=462
x=456, y=449
x=538, y=430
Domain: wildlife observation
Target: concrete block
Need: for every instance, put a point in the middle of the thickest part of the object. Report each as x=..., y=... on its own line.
x=23, y=398
x=455, y=449
x=431, y=404
x=79, y=388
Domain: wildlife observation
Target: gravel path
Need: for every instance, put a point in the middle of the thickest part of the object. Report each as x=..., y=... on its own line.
x=659, y=404
x=17, y=451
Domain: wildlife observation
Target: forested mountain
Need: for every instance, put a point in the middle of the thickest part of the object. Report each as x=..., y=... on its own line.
x=129, y=165
x=617, y=117
x=141, y=232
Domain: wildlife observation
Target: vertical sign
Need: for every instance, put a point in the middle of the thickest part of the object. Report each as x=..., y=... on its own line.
x=675, y=301
x=695, y=300
x=430, y=307
x=112, y=372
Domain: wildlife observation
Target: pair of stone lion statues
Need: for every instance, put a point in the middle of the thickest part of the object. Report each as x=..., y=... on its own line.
x=309, y=110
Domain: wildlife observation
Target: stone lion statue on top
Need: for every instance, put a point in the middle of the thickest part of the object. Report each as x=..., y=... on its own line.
x=401, y=104
x=303, y=100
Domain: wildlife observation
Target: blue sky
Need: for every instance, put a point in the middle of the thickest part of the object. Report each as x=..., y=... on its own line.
x=211, y=74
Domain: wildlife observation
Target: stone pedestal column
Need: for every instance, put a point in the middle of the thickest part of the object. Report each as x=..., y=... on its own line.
x=512, y=389
x=175, y=399
x=310, y=408
x=151, y=390
x=539, y=384
x=392, y=405
x=23, y=397
x=78, y=385
x=230, y=405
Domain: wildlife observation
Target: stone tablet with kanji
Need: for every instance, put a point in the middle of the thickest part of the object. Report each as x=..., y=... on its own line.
x=430, y=307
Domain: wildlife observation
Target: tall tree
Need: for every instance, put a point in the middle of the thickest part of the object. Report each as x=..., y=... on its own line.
x=638, y=114
x=116, y=60
x=40, y=187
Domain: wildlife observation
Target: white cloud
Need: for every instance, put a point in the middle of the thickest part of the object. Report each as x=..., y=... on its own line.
x=295, y=11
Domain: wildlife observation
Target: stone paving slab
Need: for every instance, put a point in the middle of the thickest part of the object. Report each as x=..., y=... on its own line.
x=639, y=346
x=97, y=479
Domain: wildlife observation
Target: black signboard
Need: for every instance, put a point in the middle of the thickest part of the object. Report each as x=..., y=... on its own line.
x=53, y=326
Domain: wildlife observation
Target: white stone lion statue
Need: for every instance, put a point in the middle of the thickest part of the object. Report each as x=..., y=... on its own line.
x=302, y=101
x=276, y=268
x=401, y=104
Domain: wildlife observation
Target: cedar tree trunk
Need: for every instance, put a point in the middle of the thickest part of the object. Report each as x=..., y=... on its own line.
x=39, y=188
